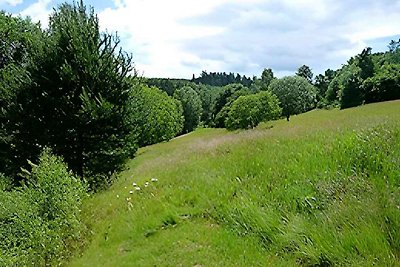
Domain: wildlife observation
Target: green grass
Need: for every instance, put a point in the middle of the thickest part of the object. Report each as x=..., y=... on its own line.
x=320, y=190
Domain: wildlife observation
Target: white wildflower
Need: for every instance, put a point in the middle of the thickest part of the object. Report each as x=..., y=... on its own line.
x=154, y=180
x=146, y=184
x=134, y=184
x=137, y=188
x=131, y=192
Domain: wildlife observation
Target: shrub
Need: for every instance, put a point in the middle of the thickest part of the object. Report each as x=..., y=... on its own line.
x=248, y=111
x=40, y=221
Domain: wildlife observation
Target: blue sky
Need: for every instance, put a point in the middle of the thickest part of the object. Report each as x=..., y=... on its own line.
x=178, y=38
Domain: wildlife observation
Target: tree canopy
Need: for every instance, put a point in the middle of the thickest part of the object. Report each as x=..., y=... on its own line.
x=296, y=94
x=192, y=109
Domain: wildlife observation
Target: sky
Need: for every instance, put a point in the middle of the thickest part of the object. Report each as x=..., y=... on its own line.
x=179, y=38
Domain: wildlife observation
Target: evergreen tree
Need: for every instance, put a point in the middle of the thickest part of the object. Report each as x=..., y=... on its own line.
x=77, y=104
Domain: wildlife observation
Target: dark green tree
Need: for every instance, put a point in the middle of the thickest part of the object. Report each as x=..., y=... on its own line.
x=296, y=95
x=305, y=72
x=266, y=78
x=322, y=82
x=192, y=109
x=384, y=85
x=20, y=41
x=224, y=101
x=77, y=102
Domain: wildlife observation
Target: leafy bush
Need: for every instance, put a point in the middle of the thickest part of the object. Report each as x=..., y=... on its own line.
x=225, y=100
x=248, y=111
x=41, y=221
x=155, y=116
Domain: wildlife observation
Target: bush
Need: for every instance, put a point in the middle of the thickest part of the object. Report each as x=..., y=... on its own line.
x=156, y=116
x=248, y=111
x=225, y=100
x=41, y=221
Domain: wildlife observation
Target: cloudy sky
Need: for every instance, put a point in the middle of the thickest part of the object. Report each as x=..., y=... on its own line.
x=178, y=38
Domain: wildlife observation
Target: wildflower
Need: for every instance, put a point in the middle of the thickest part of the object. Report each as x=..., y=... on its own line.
x=134, y=184
x=117, y=196
x=131, y=192
x=154, y=180
x=146, y=184
x=137, y=188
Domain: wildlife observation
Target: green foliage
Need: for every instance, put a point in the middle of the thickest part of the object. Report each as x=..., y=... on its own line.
x=244, y=113
x=5, y=183
x=322, y=82
x=266, y=78
x=224, y=102
x=209, y=96
x=221, y=79
x=350, y=92
x=20, y=40
x=167, y=85
x=384, y=85
x=350, y=78
x=296, y=95
x=192, y=109
x=77, y=101
x=40, y=222
x=305, y=72
x=156, y=116
x=248, y=111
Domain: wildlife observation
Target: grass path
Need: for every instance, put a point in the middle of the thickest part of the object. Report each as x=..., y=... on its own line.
x=245, y=198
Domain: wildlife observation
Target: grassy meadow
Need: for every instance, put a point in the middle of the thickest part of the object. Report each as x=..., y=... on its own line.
x=320, y=190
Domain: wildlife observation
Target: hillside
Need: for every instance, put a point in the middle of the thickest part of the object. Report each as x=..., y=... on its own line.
x=320, y=190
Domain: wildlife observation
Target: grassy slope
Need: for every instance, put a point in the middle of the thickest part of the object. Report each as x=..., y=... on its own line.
x=270, y=196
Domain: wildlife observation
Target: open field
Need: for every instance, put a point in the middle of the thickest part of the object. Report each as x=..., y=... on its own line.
x=320, y=190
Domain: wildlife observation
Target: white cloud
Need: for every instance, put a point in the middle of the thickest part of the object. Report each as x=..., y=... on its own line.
x=176, y=38
x=10, y=2
x=154, y=30
x=38, y=11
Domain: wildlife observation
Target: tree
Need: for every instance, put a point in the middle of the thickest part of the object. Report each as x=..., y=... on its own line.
x=384, y=85
x=348, y=82
x=305, y=72
x=266, y=78
x=249, y=110
x=224, y=101
x=322, y=82
x=208, y=95
x=155, y=116
x=20, y=41
x=295, y=94
x=350, y=91
x=192, y=109
x=77, y=102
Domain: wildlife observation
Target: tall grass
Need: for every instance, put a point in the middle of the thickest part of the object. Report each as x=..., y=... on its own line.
x=322, y=190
